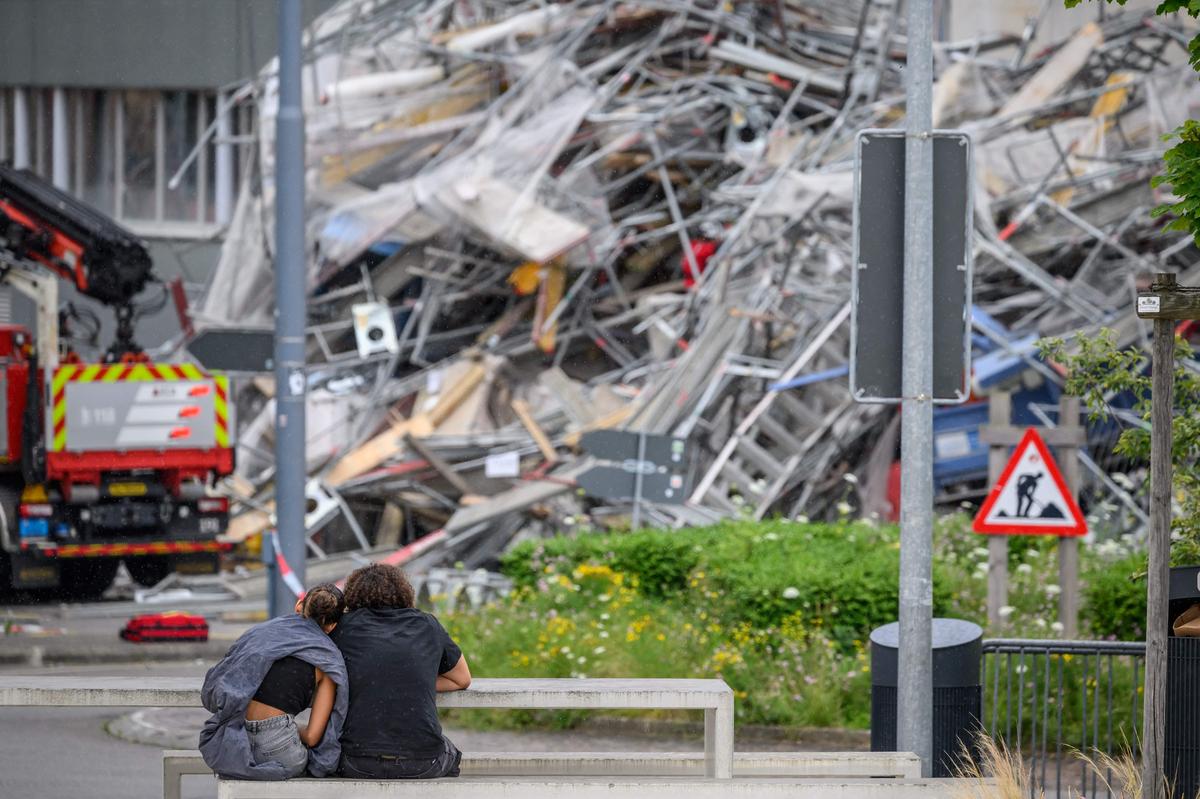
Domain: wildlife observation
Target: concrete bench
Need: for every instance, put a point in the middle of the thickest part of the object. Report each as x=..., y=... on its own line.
x=470, y=787
x=873, y=765
x=714, y=697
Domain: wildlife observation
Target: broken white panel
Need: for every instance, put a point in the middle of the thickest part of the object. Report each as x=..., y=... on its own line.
x=496, y=211
x=501, y=187
x=502, y=464
x=320, y=506
x=374, y=328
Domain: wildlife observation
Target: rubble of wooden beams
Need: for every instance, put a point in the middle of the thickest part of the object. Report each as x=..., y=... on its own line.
x=637, y=216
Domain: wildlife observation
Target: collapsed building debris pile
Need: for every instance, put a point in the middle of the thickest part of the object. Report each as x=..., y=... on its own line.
x=529, y=221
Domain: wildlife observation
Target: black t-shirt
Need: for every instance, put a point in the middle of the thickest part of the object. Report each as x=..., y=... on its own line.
x=393, y=659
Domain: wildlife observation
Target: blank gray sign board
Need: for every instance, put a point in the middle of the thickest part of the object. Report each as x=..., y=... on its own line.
x=235, y=349
x=878, y=285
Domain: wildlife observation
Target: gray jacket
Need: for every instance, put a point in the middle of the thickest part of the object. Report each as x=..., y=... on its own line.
x=232, y=683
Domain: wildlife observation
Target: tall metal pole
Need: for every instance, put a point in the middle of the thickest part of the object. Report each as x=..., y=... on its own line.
x=1162, y=387
x=289, y=308
x=915, y=690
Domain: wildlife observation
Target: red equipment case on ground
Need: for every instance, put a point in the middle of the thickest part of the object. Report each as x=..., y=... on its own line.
x=176, y=626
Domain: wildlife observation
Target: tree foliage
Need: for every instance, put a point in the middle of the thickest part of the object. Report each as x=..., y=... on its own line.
x=1099, y=371
x=1182, y=162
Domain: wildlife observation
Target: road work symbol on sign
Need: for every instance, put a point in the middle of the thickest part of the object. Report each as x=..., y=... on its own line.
x=1031, y=497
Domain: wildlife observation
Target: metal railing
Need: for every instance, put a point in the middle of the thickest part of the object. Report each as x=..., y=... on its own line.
x=1051, y=700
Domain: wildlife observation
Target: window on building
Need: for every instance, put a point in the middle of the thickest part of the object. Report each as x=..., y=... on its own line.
x=121, y=150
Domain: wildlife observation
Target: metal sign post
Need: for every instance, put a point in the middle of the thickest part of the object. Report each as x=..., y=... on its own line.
x=290, y=309
x=914, y=691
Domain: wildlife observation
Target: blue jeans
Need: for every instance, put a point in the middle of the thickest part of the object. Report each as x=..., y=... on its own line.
x=277, y=739
x=400, y=767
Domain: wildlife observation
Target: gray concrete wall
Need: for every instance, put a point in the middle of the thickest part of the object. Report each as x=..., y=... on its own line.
x=165, y=44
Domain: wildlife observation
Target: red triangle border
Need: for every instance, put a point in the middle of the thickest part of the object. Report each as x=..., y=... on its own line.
x=1078, y=529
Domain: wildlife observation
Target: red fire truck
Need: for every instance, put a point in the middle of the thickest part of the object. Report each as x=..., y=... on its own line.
x=99, y=462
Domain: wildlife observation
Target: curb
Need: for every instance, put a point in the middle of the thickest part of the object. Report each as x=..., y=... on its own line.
x=49, y=651
x=165, y=728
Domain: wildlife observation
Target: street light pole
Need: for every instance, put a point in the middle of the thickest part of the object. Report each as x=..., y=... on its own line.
x=289, y=309
x=915, y=688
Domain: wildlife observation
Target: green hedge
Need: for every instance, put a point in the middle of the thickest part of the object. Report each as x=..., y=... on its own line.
x=1114, y=596
x=841, y=576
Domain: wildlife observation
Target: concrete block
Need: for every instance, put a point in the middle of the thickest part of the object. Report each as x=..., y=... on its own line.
x=467, y=787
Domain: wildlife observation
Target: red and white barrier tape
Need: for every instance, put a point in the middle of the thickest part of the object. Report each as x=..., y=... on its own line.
x=285, y=571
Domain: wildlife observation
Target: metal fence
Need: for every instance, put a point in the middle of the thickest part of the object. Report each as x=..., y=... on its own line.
x=1051, y=700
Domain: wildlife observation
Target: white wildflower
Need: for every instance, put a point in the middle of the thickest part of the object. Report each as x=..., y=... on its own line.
x=1057, y=626
x=980, y=552
x=1006, y=611
x=598, y=650
x=1041, y=623
x=1053, y=590
x=843, y=508
x=1024, y=568
x=581, y=660
x=791, y=592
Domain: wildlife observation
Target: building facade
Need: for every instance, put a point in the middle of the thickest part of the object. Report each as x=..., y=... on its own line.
x=133, y=106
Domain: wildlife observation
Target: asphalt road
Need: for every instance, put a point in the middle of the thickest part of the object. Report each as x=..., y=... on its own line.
x=65, y=753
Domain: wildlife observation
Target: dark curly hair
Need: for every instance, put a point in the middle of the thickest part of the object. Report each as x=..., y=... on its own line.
x=324, y=604
x=379, y=585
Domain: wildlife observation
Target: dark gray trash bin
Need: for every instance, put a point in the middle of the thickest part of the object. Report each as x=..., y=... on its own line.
x=957, y=690
x=1181, y=758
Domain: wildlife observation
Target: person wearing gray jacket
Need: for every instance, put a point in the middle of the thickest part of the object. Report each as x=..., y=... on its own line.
x=236, y=683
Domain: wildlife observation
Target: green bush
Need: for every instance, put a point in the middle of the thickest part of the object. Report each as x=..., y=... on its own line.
x=780, y=610
x=661, y=562
x=842, y=576
x=1115, y=598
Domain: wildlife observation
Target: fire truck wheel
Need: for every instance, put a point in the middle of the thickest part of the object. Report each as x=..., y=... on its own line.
x=86, y=578
x=150, y=570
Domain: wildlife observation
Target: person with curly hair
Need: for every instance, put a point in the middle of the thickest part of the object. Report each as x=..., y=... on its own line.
x=398, y=658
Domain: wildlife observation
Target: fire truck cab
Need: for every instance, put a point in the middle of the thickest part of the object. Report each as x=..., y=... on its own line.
x=99, y=462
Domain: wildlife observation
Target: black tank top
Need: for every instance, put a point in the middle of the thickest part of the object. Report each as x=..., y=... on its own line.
x=288, y=686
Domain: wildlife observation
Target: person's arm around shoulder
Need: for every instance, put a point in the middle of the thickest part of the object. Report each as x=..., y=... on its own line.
x=457, y=679
x=322, y=706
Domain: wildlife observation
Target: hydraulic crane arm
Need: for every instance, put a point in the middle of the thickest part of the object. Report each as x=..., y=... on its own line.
x=42, y=225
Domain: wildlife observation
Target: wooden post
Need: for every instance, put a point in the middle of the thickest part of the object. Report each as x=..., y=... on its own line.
x=1068, y=546
x=1158, y=575
x=999, y=415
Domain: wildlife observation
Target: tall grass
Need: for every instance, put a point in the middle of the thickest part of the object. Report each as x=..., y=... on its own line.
x=1000, y=773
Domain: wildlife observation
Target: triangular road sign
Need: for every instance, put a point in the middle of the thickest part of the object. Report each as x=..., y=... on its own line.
x=1031, y=497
